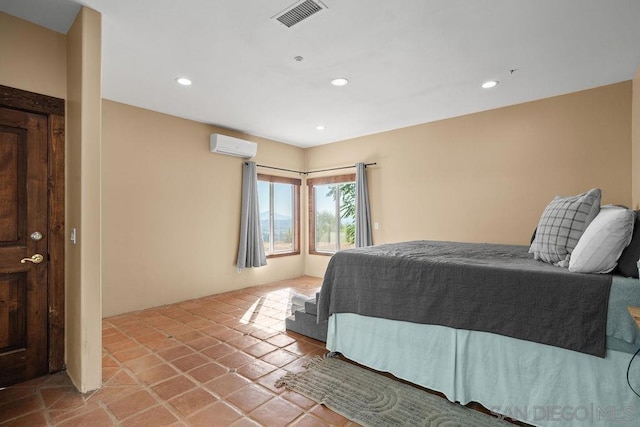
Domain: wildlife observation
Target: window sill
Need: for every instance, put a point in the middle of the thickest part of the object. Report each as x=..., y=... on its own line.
x=283, y=254
x=321, y=253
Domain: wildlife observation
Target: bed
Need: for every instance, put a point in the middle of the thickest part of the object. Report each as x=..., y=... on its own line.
x=547, y=346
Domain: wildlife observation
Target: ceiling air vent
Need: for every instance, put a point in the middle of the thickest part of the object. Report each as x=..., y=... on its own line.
x=299, y=11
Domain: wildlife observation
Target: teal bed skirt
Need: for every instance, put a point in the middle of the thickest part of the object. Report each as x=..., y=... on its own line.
x=535, y=383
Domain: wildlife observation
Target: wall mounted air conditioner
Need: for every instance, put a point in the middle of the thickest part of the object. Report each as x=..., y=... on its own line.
x=231, y=146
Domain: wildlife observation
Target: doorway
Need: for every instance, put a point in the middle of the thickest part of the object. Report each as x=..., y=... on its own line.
x=32, y=139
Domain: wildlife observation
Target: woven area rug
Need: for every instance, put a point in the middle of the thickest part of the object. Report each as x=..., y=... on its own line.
x=371, y=399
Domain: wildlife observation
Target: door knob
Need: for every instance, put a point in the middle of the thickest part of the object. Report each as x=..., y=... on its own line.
x=36, y=259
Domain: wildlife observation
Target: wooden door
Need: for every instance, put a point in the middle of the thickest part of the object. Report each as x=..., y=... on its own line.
x=24, y=346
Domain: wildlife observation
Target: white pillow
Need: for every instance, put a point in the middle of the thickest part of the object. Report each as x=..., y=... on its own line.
x=603, y=241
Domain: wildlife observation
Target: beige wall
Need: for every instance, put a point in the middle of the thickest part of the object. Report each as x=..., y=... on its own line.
x=33, y=57
x=83, y=211
x=487, y=177
x=635, y=136
x=171, y=212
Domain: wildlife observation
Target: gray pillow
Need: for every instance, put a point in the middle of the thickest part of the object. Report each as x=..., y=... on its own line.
x=561, y=225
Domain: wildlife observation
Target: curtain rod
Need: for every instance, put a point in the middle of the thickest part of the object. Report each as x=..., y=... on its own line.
x=316, y=171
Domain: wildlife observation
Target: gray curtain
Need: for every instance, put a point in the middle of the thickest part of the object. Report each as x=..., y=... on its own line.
x=251, y=249
x=363, y=212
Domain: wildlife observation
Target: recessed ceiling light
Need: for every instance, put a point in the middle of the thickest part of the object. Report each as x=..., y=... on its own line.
x=183, y=81
x=341, y=81
x=320, y=127
x=489, y=84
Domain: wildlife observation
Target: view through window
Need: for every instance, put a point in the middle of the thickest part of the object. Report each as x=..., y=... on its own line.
x=279, y=201
x=332, y=213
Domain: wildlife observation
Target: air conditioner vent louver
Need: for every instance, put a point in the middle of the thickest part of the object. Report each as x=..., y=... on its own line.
x=299, y=12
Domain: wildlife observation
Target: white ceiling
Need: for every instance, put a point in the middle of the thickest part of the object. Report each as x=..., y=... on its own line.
x=407, y=61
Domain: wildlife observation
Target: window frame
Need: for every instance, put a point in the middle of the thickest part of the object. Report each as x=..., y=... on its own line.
x=311, y=191
x=296, y=211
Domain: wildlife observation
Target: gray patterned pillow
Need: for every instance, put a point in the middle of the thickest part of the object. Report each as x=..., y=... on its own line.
x=561, y=225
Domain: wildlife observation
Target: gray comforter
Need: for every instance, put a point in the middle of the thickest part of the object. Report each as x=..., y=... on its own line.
x=483, y=287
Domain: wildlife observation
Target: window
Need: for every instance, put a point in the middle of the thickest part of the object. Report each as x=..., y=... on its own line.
x=332, y=214
x=279, y=203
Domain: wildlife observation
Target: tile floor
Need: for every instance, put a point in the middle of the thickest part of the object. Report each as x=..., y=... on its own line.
x=211, y=361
